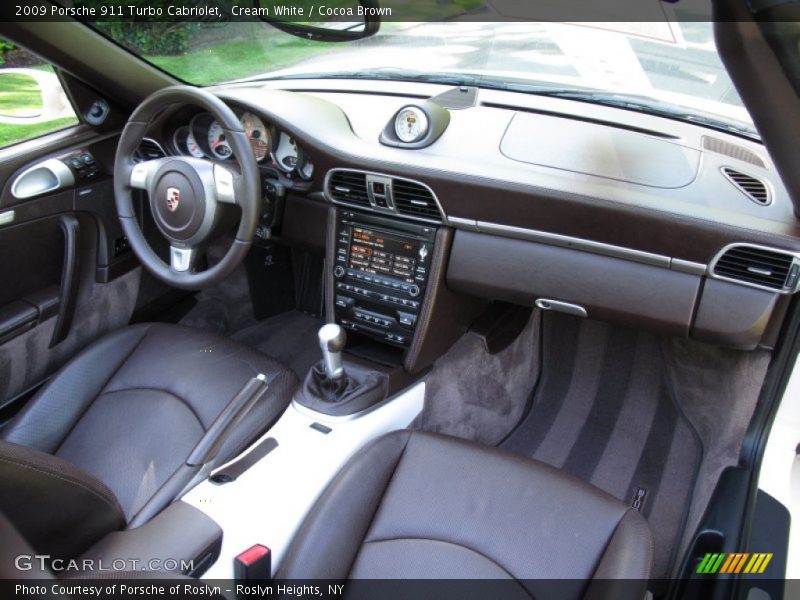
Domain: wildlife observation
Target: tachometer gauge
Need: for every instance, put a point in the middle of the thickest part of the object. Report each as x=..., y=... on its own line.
x=258, y=135
x=217, y=142
x=186, y=144
x=410, y=124
x=286, y=153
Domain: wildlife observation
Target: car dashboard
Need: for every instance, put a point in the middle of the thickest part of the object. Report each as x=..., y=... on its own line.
x=592, y=210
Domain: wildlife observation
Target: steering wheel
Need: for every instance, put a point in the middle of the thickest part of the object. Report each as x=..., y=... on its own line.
x=187, y=195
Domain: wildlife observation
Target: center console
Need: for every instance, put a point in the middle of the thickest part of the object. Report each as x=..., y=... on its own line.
x=381, y=269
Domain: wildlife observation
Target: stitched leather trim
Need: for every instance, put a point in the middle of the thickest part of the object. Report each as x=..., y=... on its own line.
x=154, y=389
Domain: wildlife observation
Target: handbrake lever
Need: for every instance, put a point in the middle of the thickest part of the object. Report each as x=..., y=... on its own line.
x=212, y=441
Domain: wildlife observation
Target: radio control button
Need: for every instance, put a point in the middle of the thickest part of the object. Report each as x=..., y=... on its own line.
x=414, y=291
x=407, y=319
x=344, y=302
x=338, y=271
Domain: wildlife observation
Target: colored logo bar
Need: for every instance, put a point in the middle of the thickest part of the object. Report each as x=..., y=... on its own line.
x=734, y=562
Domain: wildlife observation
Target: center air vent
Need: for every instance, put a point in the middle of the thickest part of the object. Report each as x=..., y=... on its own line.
x=384, y=194
x=349, y=187
x=750, y=186
x=758, y=266
x=149, y=149
x=415, y=200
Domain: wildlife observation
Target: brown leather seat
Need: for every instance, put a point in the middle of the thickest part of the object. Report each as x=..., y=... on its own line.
x=422, y=506
x=105, y=443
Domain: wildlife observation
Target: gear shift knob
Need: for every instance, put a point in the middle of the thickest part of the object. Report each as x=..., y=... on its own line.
x=332, y=339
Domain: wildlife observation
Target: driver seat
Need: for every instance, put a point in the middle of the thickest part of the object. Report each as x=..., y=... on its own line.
x=103, y=445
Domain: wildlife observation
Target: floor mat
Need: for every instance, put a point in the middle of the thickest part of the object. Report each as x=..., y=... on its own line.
x=604, y=411
x=290, y=337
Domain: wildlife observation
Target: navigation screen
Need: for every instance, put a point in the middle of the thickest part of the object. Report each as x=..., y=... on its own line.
x=381, y=254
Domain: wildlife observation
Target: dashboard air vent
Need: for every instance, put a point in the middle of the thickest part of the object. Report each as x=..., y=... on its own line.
x=414, y=200
x=750, y=186
x=733, y=150
x=349, y=187
x=763, y=267
x=149, y=149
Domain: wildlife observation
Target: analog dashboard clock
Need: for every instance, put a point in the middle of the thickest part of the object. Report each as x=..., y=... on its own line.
x=411, y=124
x=416, y=125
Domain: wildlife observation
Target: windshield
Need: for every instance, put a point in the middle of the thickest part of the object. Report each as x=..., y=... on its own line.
x=665, y=67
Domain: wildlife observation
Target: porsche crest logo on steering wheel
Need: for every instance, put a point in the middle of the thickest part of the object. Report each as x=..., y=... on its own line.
x=173, y=198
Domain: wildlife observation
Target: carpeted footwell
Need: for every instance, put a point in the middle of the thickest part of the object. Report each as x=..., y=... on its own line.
x=604, y=410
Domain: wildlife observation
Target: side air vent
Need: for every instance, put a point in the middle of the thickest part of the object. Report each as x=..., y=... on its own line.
x=750, y=186
x=733, y=150
x=349, y=187
x=758, y=266
x=149, y=149
x=415, y=200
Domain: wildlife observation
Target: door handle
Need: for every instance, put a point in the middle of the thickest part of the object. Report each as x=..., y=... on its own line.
x=44, y=177
x=70, y=277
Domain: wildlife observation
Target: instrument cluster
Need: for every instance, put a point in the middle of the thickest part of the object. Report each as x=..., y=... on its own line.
x=204, y=137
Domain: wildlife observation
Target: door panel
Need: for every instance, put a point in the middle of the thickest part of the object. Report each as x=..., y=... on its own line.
x=28, y=358
x=67, y=275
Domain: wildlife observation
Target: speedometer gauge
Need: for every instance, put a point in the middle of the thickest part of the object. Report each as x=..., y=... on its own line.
x=258, y=135
x=186, y=144
x=217, y=143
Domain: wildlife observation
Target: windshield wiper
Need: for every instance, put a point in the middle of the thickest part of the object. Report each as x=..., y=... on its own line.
x=656, y=107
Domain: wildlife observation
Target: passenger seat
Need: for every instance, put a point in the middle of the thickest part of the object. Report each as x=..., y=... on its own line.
x=415, y=505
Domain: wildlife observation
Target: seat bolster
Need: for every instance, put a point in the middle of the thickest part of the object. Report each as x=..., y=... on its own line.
x=331, y=535
x=59, y=509
x=52, y=413
x=624, y=568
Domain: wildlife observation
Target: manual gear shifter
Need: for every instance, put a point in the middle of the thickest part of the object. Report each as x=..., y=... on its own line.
x=332, y=340
x=330, y=390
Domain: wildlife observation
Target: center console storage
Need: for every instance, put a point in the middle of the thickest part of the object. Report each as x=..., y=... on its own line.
x=381, y=269
x=180, y=539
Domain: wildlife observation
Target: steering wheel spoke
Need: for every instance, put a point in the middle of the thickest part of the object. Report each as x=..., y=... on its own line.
x=224, y=185
x=143, y=172
x=182, y=260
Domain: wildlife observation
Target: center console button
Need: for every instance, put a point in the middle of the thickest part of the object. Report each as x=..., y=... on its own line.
x=414, y=291
x=338, y=271
x=407, y=319
x=344, y=302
